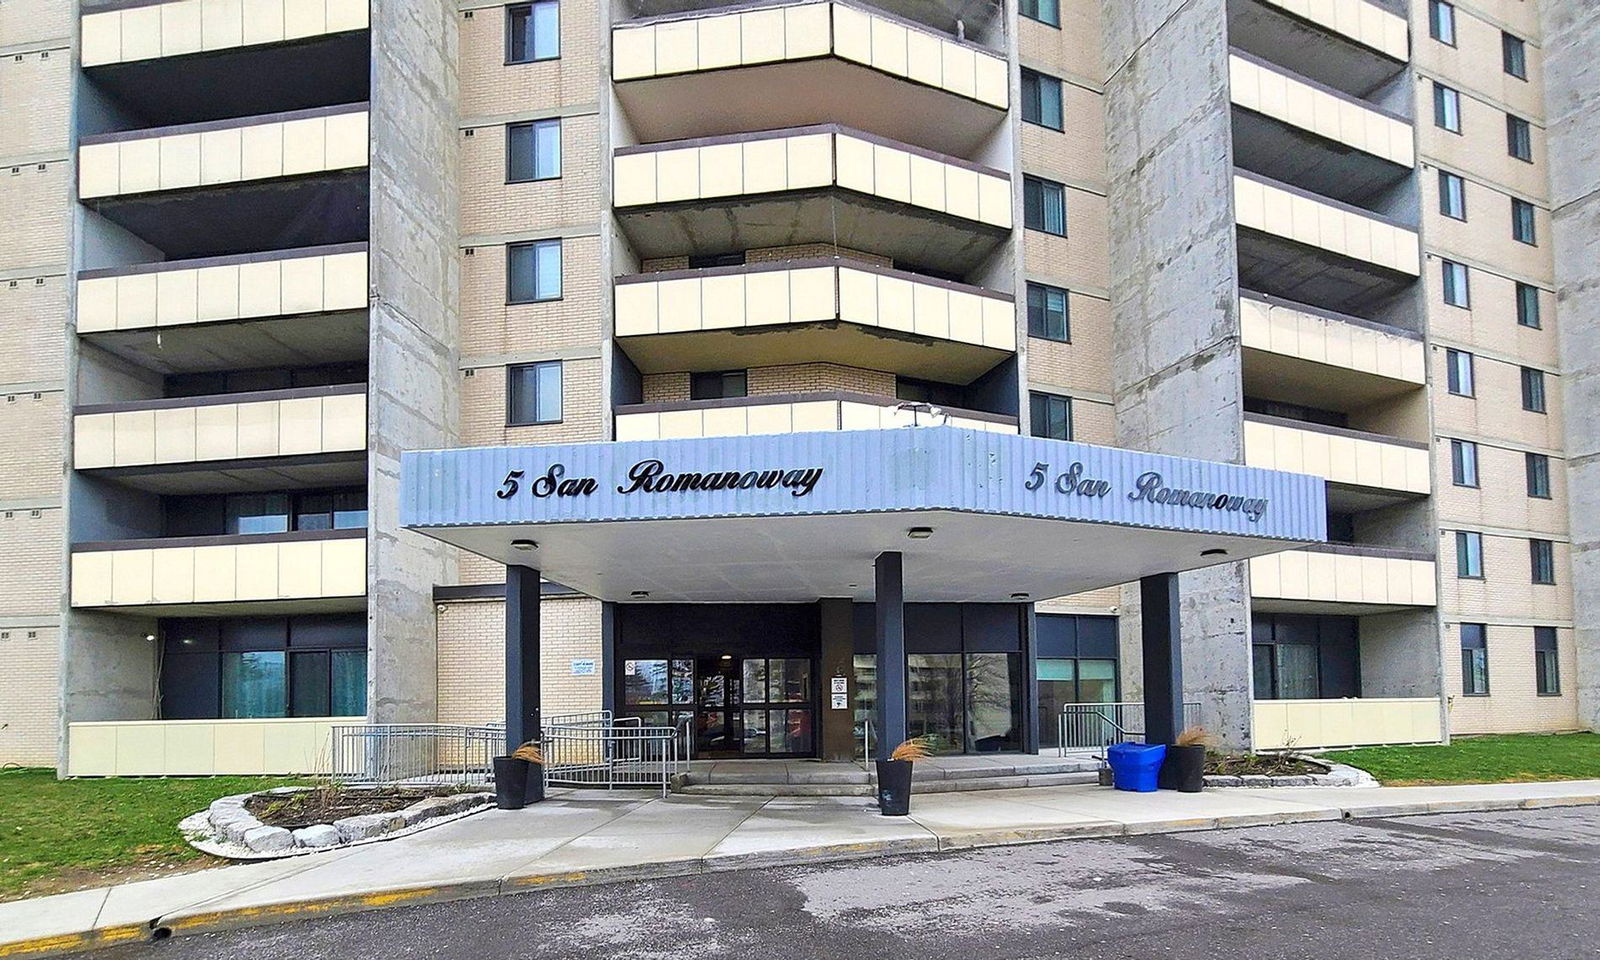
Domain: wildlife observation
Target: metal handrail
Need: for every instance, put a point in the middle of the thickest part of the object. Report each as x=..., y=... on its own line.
x=1085, y=726
x=414, y=752
x=597, y=750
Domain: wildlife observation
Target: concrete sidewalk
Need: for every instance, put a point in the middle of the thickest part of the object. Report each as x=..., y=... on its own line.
x=591, y=837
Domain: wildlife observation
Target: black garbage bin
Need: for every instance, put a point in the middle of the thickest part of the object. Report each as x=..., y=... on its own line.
x=894, y=787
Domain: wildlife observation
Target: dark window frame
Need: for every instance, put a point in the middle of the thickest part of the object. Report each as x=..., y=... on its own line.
x=696, y=380
x=1033, y=100
x=1444, y=94
x=1442, y=20
x=1464, y=463
x=1514, y=55
x=1031, y=184
x=1519, y=138
x=1541, y=561
x=1535, y=396
x=1536, y=470
x=1037, y=15
x=534, y=246
x=1524, y=222
x=1465, y=555
x=1049, y=400
x=512, y=10
x=534, y=126
x=1042, y=329
x=1474, y=649
x=1460, y=381
x=1455, y=277
x=1546, y=670
x=511, y=393
x=1455, y=211
x=1528, y=306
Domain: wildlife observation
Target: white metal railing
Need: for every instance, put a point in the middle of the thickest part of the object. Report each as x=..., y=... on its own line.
x=1091, y=726
x=595, y=750
x=415, y=752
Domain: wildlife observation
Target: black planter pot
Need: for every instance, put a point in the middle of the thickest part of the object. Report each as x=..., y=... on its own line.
x=511, y=783
x=1184, y=769
x=535, y=791
x=894, y=787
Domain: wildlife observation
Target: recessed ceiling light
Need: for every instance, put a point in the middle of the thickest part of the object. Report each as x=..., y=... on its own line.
x=1214, y=552
x=524, y=544
x=727, y=656
x=920, y=533
x=1019, y=596
x=639, y=594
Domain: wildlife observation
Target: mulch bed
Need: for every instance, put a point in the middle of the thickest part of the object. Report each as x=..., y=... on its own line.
x=327, y=804
x=1259, y=764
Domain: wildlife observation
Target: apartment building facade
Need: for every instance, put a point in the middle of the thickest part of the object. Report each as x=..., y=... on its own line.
x=264, y=248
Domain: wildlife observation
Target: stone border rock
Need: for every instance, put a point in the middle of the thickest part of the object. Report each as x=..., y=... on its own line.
x=1336, y=775
x=228, y=829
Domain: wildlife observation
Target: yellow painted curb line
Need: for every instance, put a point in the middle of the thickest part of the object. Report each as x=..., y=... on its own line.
x=73, y=942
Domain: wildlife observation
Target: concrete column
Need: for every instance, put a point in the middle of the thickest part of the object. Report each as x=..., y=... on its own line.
x=837, y=659
x=890, y=646
x=1030, y=679
x=1163, y=657
x=1572, y=114
x=522, y=656
x=608, y=656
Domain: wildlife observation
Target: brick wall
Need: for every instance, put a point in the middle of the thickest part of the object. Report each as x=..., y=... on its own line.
x=29, y=711
x=490, y=86
x=483, y=408
x=1514, y=704
x=472, y=658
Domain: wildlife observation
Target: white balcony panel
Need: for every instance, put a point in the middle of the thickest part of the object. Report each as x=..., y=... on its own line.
x=1274, y=93
x=802, y=31
x=1343, y=578
x=1338, y=457
x=181, y=295
x=787, y=416
x=1285, y=213
x=184, y=27
x=808, y=159
x=291, y=146
x=1360, y=722
x=279, y=746
x=1281, y=329
x=327, y=423
x=1358, y=20
x=271, y=570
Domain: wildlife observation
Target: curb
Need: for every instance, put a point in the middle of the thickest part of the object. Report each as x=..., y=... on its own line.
x=216, y=921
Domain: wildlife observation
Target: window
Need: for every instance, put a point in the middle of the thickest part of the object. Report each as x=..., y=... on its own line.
x=1458, y=367
x=1457, y=291
x=254, y=684
x=533, y=393
x=1044, y=206
x=1528, y=305
x=1044, y=11
x=328, y=683
x=1538, y=470
x=1041, y=99
x=533, y=272
x=1514, y=55
x=1464, y=463
x=1446, y=108
x=1519, y=138
x=533, y=151
x=1522, y=229
x=1469, y=555
x=1542, y=561
x=1047, y=313
x=1474, y=660
x=1442, y=22
x=1452, y=196
x=1050, y=416
x=1533, y=390
x=717, y=385
x=533, y=32
x=1546, y=662
x=253, y=513
x=342, y=510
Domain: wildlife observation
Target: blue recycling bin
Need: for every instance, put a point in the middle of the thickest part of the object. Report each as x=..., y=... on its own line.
x=1134, y=766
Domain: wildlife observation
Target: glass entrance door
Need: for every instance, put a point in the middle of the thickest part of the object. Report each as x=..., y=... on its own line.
x=753, y=707
x=716, y=707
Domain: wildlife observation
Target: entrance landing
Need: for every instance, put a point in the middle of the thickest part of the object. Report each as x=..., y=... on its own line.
x=816, y=778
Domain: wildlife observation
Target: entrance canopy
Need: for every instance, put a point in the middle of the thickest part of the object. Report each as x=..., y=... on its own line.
x=977, y=516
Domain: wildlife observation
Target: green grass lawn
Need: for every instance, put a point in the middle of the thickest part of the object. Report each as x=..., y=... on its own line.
x=58, y=835
x=1496, y=759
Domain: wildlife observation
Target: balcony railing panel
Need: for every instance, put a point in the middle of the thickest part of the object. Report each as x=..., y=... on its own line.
x=1318, y=336
x=790, y=414
x=154, y=30
x=1256, y=85
x=1310, y=724
x=195, y=570
x=1358, y=20
x=273, y=423
x=718, y=40
x=223, y=152
x=1340, y=456
x=253, y=287
x=1282, y=211
x=1345, y=576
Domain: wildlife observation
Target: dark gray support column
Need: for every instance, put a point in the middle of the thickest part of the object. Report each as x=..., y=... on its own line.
x=1030, y=679
x=1163, y=658
x=608, y=656
x=890, y=647
x=522, y=656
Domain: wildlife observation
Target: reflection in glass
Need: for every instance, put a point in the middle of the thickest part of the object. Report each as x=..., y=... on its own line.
x=253, y=684
x=755, y=731
x=1057, y=687
x=994, y=702
x=755, y=681
x=1097, y=681
x=644, y=682
x=308, y=683
x=933, y=700
x=683, y=681
x=791, y=681
x=866, y=701
x=349, y=683
x=791, y=731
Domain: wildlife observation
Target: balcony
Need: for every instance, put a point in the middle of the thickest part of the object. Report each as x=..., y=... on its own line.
x=286, y=180
x=186, y=27
x=302, y=437
x=826, y=310
x=1299, y=354
x=804, y=63
x=1365, y=471
x=823, y=184
x=280, y=308
x=301, y=572
x=1361, y=722
x=1301, y=132
x=1351, y=45
x=1341, y=579
x=1299, y=246
x=790, y=413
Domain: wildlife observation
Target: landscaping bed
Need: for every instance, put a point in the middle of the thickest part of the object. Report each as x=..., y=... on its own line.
x=1260, y=765
x=288, y=821
x=325, y=804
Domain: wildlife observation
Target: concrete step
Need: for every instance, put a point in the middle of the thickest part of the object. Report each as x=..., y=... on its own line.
x=690, y=787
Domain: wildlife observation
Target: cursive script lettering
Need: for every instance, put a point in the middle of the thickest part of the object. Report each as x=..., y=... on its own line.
x=651, y=476
x=1152, y=488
